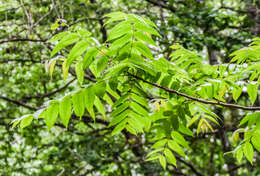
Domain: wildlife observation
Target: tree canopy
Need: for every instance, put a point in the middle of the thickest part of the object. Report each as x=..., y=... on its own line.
x=130, y=87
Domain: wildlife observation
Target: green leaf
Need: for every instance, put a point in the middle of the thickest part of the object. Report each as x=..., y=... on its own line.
x=100, y=88
x=108, y=99
x=135, y=122
x=84, y=33
x=15, y=122
x=139, y=109
x=147, y=29
x=89, y=98
x=26, y=121
x=131, y=129
x=139, y=99
x=65, y=110
x=120, y=42
x=244, y=120
x=115, y=70
x=119, y=127
x=51, y=115
x=145, y=38
x=163, y=162
x=252, y=92
x=155, y=151
x=176, y=147
x=78, y=103
x=113, y=83
x=185, y=130
x=174, y=122
x=39, y=113
x=204, y=109
x=54, y=26
x=169, y=155
x=119, y=109
x=89, y=57
x=250, y=118
x=119, y=118
x=159, y=143
x=79, y=72
x=65, y=70
x=193, y=119
x=239, y=154
x=120, y=30
x=208, y=125
x=199, y=126
x=166, y=81
x=140, y=64
x=235, y=136
x=143, y=49
x=248, y=151
x=100, y=107
x=102, y=63
x=58, y=36
x=256, y=142
x=248, y=134
x=154, y=157
x=77, y=50
x=52, y=64
x=181, y=114
x=179, y=139
x=115, y=16
x=236, y=92
x=120, y=100
x=66, y=41
x=211, y=119
x=143, y=121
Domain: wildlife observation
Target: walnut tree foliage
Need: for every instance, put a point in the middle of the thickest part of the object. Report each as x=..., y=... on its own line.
x=127, y=75
x=130, y=92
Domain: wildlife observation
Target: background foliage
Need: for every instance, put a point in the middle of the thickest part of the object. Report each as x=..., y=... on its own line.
x=211, y=29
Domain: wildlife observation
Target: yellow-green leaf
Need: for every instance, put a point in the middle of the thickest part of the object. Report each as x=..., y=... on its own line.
x=79, y=72
x=26, y=121
x=163, y=162
x=199, y=126
x=239, y=154
x=52, y=65
x=51, y=115
x=65, y=110
x=252, y=92
x=169, y=155
x=248, y=151
x=78, y=103
x=65, y=70
x=176, y=147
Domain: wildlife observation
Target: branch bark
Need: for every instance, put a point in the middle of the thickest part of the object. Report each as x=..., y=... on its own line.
x=189, y=165
x=50, y=93
x=229, y=105
x=18, y=103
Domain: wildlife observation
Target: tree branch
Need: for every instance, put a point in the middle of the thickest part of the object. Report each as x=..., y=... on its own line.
x=50, y=93
x=189, y=165
x=18, y=102
x=46, y=39
x=229, y=105
x=19, y=60
x=22, y=40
